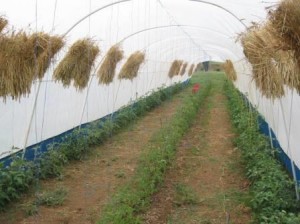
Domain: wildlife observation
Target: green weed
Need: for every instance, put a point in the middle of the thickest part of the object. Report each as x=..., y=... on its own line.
x=52, y=198
x=120, y=174
x=133, y=198
x=30, y=209
x=17, y=178
x=272, y=191
x=185, y=195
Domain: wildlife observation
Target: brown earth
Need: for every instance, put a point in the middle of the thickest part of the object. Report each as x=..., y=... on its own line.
x=91, y=183
x=208, y=167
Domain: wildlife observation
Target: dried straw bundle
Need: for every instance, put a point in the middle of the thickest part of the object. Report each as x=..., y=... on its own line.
x=77, y=64
x=286, y=20
x=229, y=70
x=260, y=45
x=51, y=45
x=24, y=58
x=286, y=65
x=106, y=72
x=180, y=63
x=183, y=69
x=131, y=67
x=174, y=68
x=191, y=70
x=3, y=23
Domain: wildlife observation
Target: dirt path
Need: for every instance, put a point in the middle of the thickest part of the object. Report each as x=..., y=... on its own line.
x=91, y=183
x=205, y=184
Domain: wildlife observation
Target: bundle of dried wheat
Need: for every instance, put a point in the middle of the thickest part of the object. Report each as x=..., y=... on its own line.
x=183, y=69
x=77, y=64
x=131, y=67
x=107, y=70
x=229, y=70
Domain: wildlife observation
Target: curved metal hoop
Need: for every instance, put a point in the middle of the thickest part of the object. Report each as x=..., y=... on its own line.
x=91, y=13
x=223, y=8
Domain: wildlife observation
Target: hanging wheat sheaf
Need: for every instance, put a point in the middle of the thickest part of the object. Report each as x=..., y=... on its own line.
x=183, y=69
x=175, y=68
x=23, y=59
x=179, y=67
x=286, y=20
x=3, y=23
x=77, y=64
x=260, y=47
x=286, y=65
x=191, y=70
x=131, y=67
x=229, y=70
x=106, y=73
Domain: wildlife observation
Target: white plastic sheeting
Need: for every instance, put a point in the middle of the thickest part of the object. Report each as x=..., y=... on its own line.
x=204, y=32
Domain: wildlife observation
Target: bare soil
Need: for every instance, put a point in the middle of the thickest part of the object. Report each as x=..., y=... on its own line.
x=208, y=164
x=91, y=183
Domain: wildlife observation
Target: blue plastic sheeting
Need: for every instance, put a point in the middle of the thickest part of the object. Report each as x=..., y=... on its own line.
x=282, y=156
x=34, y=151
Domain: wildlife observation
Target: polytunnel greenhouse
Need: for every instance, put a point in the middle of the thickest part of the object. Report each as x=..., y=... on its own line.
x=149, y=111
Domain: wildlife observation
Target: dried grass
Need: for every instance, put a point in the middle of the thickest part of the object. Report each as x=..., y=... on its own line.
x=191, y=70
x=260, y=45
x=286, y=65
x=107, y=70
x=131, y=67
x=286, y=20
x=175, y=68
x=183, y=69
x=229, y=70
x=52, y=45
x=3, y=23
x=180, y=63
x=77, y=64
x=23, y=59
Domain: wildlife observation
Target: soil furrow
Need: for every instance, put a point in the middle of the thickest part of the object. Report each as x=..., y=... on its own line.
x=205, y=183
x=90, y=183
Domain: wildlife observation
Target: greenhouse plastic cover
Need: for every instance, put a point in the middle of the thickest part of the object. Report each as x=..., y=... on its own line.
x=178, y=29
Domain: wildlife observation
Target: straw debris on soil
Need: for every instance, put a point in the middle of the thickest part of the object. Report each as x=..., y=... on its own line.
x=131, y=67
x=183, y=69
x=23, y=59
x=175, y=68
x=77, y=64
x=107, y=70
x=229, y=70
x=191, y=70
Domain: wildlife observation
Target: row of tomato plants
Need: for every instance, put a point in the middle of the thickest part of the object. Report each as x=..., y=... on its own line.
x=21, y=174
x=272, y=192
